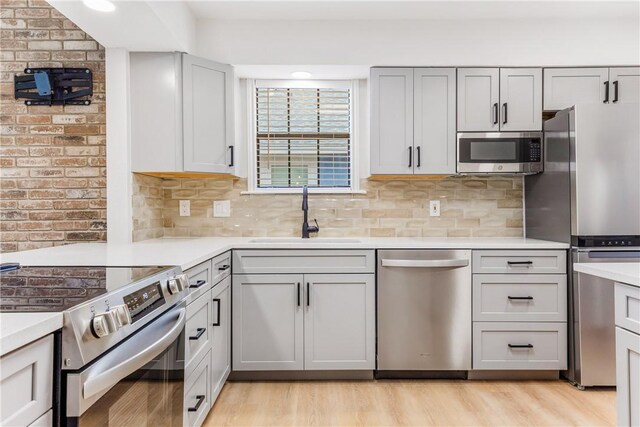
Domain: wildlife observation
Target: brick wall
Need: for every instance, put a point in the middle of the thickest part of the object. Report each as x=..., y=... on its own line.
x=52, y=159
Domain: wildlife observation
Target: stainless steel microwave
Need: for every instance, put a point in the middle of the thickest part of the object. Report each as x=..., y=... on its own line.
x=499, y=152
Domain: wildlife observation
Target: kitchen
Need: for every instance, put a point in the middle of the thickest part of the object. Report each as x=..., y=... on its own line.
x=408, y=213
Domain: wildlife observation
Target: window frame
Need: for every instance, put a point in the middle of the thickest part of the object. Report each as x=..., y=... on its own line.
x=252, y=173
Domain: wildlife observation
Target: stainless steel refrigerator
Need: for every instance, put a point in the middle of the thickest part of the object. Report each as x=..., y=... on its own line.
x=589, y=196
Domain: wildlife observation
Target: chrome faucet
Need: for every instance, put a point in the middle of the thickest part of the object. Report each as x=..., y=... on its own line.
x=306, y=228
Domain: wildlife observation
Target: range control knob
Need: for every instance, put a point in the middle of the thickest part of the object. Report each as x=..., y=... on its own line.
x=121, y=315
x=102, y=325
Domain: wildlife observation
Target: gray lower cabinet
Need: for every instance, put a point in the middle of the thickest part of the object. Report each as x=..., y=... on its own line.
x=627, y=315
x=220, y=336
x=339, y=330
x=267, y=315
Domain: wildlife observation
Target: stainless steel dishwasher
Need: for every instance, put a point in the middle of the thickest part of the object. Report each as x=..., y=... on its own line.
x=424, y=311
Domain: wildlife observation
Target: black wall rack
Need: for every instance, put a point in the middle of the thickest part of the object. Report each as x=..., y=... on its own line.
x=55, y=86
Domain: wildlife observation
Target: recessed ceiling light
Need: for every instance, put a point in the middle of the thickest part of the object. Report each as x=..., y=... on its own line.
x=300, y=75
x=100, y=5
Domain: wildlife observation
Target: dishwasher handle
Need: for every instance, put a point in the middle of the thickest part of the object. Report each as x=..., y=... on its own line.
x=429, y=263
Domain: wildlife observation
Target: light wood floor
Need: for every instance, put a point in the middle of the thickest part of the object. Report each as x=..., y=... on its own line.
x=411, y=403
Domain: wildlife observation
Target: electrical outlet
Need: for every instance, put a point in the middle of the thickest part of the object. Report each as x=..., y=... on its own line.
x=185, y=208
x=222, y=208
x=434, y=208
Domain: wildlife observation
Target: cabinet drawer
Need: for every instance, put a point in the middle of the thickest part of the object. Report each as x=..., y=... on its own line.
x=627, y=307
x=220, y=267
x=303, y=261
x=520, y=262
x=44, y=421
x=523, y=346
x=199, y=280
x=26, y=383
x=197, y=395
x=520, y=297
x=197, y=330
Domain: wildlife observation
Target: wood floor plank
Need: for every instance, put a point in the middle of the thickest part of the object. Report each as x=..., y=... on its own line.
x=411, y=403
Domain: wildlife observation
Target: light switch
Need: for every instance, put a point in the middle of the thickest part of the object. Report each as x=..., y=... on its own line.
x=222, y=208
x=434, y=207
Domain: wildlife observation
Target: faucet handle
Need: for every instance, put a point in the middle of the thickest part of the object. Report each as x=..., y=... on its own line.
x=315, y=229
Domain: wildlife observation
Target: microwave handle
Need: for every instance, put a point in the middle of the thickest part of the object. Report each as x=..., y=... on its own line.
x=112, y=375
x=495, y=113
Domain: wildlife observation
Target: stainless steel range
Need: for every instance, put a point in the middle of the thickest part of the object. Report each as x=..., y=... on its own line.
x=122, y=342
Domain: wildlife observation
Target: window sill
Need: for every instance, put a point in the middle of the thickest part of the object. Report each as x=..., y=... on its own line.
x=266, y=192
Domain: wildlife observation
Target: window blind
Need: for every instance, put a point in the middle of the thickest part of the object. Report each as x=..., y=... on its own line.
x=303, y=137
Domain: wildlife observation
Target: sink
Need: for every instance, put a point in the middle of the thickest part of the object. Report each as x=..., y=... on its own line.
x=301, y=240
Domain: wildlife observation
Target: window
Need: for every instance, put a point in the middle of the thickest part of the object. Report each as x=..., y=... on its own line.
x=303, y=136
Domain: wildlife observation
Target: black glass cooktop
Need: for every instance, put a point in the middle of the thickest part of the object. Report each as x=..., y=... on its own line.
x=39, y=289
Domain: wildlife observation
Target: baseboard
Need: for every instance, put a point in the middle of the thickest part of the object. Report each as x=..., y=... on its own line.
x=513, y=375
x=299, y=375
x=421, y=375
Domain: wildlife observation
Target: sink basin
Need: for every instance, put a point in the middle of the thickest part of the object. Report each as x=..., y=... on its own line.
x=301, y=240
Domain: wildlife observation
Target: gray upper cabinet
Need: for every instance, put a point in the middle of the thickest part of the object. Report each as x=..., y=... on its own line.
x=565, y=87
x=412, y=121
x=391, y=120
x=625, y=84
x=499, y=99
x=478, y=99
x=521, y=99
x=181, y=114
x=434, y=124
x=207, y=89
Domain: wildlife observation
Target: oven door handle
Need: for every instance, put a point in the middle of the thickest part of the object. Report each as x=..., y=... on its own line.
x=113, y=375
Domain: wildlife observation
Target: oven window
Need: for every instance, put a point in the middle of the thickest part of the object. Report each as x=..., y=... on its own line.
x=151, y=396
x=502, y=150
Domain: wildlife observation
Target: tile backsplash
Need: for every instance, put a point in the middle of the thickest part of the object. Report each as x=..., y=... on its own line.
x=470, y=207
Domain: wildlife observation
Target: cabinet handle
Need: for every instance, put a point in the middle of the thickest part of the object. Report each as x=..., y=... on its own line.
x=308, y=295
x=224, y=267
x=197, y=284
x=525, y=263
x=504, y=118
x=495, y=113
x=615, y=91
x=200, y=398
x=520, y=345
x=231, y=156
x=418, y=156
x=520, y=298
x=298, y=294
x=199, y=333
x=410, y=152
x=217, y=322
x=606, y=92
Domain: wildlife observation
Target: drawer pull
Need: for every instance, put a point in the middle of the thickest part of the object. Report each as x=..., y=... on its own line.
x=200, y=398
x=224, y=267
x=520, y=298
x=520, y=345
x=198, y=334
x=198, y=284
x=522, y=263
x=217, y=322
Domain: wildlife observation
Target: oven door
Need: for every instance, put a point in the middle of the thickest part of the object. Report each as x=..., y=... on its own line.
x=507, y=152
x=138, y=383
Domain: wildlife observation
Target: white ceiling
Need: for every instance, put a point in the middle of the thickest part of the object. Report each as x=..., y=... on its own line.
x=410, y=9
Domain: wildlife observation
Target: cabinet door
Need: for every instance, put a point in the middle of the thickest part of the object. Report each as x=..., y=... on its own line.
x=565, y=87
x=625, y=85
x=434, y=120
x=339, y=321
x=207, y=115
x=392, y=121
x=221, y=339
x=267, y=322
x=627, y=377
x=520, y=99
x=478, y=98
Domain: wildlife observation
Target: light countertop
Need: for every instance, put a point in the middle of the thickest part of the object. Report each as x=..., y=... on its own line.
x=622, y=272
x=187, y=252
x=19, y=329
